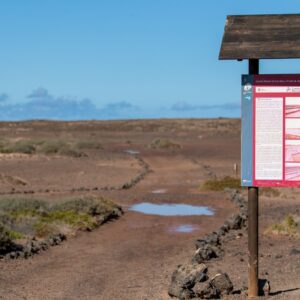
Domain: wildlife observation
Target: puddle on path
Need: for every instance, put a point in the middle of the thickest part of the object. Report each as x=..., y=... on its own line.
x=185, y=228
x=159, y=191
x=132, y=152
x=171, y=209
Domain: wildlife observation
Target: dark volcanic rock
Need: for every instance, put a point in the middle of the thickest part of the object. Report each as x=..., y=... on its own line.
x=200, y=243
x=33, y=247
x=264, y=287
x=211, y=239
x=236, y=222
x=191, y=281
x=6, y=244
x=184, y=278
x=185, y=294
x=222, y=284
x=205, y=253
x=202, y=277
x=222, y=230
x=204, y=290
x=12, y=255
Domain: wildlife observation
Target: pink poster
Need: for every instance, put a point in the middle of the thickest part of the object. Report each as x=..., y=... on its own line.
x=276, y=130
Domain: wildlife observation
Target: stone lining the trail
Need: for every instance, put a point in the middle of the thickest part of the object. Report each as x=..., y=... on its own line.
x=188, y=281
x=211, y=245
x=127, y=185
x=139, y=177
x=33, y=247
x=10, y=250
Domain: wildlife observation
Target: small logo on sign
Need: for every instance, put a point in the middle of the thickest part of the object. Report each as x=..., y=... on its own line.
x=247, y=87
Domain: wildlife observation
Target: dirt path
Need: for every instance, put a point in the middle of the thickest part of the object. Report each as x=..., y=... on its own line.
x=131, y=258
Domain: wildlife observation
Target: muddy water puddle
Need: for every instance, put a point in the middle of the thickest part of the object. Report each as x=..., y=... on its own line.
x=132, y=152
x=169, y=210
x=184, y=228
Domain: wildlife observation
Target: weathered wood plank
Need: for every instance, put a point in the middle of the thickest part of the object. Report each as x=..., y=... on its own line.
x=261, y=36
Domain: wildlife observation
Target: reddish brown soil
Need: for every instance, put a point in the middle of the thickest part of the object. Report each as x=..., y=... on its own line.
x=134, y=257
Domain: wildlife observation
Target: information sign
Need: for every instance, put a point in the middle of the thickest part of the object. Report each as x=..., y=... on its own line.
x=270, y=130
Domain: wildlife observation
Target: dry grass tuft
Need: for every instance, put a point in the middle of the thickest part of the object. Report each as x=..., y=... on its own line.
x=221, y=184
x=288, y=226
x=37, y=217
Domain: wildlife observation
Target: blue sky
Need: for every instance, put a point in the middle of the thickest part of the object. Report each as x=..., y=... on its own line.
x=109, y=59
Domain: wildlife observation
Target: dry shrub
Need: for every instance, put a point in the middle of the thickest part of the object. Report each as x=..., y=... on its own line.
x=222, y=183
x=288, y=226
x=25, y=216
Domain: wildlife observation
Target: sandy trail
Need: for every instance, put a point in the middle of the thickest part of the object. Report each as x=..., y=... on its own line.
x=132, y=258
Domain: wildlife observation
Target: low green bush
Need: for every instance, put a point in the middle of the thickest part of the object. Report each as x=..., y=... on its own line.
x=42, y=218
x=90, y=205
x=14, y=235
x=69, y=217
x=221, y=183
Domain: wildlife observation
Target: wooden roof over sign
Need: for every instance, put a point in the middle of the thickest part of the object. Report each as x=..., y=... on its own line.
x=261, y=37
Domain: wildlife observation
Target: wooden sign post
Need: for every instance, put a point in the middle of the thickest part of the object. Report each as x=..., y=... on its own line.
x=270, y=113
x=253, y=219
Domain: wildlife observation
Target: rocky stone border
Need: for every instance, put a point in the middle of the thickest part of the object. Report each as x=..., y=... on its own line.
x=191, y=281
x=139, y=177
x=211, y=245
x=127, y=185
x=34, y=246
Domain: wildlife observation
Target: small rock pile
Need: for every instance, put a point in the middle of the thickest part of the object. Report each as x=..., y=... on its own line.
x=31, y=248
x=192, y=282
